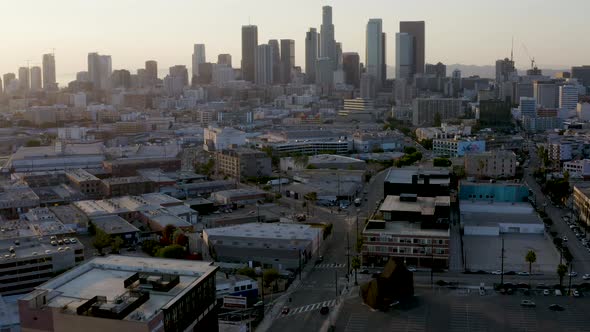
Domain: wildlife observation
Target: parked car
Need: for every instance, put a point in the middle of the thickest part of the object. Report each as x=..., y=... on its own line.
x=523, y=273
x=285, y=310
x=497, y=272
x=556, y=307
x=586, y=276
x=572, y=274
x=528, y=303
x=411, y=269
x=576, y=293
x=546, y=292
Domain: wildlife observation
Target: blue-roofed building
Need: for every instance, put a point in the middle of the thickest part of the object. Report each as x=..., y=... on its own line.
x=497, y=192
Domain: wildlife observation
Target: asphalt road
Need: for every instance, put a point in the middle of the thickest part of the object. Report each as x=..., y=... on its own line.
x=442, y=309
x=581, y=262
x=327, y=280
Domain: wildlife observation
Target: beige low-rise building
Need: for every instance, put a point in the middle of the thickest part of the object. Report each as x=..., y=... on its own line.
x=243, y=163
x=491, y=164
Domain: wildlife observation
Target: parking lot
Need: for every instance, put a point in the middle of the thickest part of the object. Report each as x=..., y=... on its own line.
x=484, y=253
x=465, y=310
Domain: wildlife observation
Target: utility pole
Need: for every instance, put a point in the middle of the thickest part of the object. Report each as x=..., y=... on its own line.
x=502, y=268
x=569, y=287
x=431, y=263
x=336, y=282
x=299, y=264
x=347, y=254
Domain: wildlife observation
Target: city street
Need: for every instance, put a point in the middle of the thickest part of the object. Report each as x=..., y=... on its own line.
x=581, y=262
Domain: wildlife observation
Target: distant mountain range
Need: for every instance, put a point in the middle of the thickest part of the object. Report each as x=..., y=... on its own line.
x=481, y=71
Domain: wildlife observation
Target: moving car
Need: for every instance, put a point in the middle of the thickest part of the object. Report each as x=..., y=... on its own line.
x=324, y=310
x=572, y=274
x=285, y=310
x=528, y=303
x=586, y=276
x=576, y=293
x=546, y=292
x=556, y=307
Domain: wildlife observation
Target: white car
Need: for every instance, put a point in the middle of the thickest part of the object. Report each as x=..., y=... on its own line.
x=564, y=239
x=586, y=276
x=572, y=274
x=546, y=292
x=497, y=272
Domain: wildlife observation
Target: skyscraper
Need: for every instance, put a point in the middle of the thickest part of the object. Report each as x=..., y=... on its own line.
x=99, y=70
x=582, y=73
x=198, y=58
x=439, y=70
x=36, y=82
x=49, y=79
x=384, y=57
x=94, y=69
x=151, y=73
x=249, y=44
x=404, y=59
x=311, y=54
x=327, y=41
x=224, y=59
x=276, y=61
x=106, y=69
x=338, y=59
x=417, y=30
x=8, y=78
x=505, y=70
x=181, y=72
x=374, y=49
x=324, y=73
x=121, y=79
x=264, y=65
x=351, y=67
x=287, y=59
x=24, y=78
x=568, y=97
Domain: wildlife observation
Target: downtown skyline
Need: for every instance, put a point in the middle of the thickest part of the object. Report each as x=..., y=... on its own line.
x=469, y=42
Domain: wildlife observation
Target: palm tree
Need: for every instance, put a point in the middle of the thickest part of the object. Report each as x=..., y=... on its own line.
x=561, y=271
x=531, y=257
x=356, y=264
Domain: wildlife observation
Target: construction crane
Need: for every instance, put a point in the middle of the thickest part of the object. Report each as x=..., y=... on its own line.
x=526, y=50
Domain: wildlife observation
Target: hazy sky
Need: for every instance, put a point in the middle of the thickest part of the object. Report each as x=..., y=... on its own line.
x=132, y=31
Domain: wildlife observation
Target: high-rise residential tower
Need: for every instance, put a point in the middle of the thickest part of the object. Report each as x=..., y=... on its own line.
x=351, y=67
x=264, y=65
x=505, y=70
x=8, y=78
x=106, y=69
x=224, y=59
x=249, y=44
x=311, y=55
x=384, y=57
x=276, y=61
x=99, y=70
x=327, y=39
x=49, y=77
x=287, y=59
x=36, y=82
x=198, y=58
x=374, y=49
x=417, y=30
x=151, y=73
x=24, y=78
x=404, y=59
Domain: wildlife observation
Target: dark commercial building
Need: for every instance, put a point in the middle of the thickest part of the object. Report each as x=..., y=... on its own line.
x=422, y=182
x=205, y=73
x=121, y=79
x=495, y=113
x=224, y=59
x=351, y=67
x=276, y=61
x=249, y=44
x=287, y=59
x=582, y=73
x=417, y=30
x=439, y=70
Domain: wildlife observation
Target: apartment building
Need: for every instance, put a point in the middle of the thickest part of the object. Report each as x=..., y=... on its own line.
x=243, y=163
x=491, y=164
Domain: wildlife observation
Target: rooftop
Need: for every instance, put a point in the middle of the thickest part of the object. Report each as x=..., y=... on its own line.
x=266, y=231
x=113, y=225
x=426, y=205
x=105, y=276
x=80, y=175
x=404, y=175
x=488, y=213
x=402, y=228
x=124, y=180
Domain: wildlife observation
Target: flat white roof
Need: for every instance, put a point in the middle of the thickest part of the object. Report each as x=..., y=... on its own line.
x=266, y=231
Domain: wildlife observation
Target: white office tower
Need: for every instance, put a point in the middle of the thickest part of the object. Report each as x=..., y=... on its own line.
x=79, y=99
x=106, y=69
x=374, y=49
x=324, y=72
x=264, y=65
x=36, y=82
x=404, y=55
x=198, y=58
x=327, y=39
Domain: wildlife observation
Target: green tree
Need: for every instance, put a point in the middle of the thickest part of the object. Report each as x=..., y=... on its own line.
x=410, y=150
x=531, y=258
x=33, y=143
x=270, y=276
x=561, y=271
x=150, y=247
x=101, y=240
x=171, y=251
x=441, y=162
x=437, y=119
x=91, y=228
x=248, y=272
x=116, y=244
x=168, y=234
